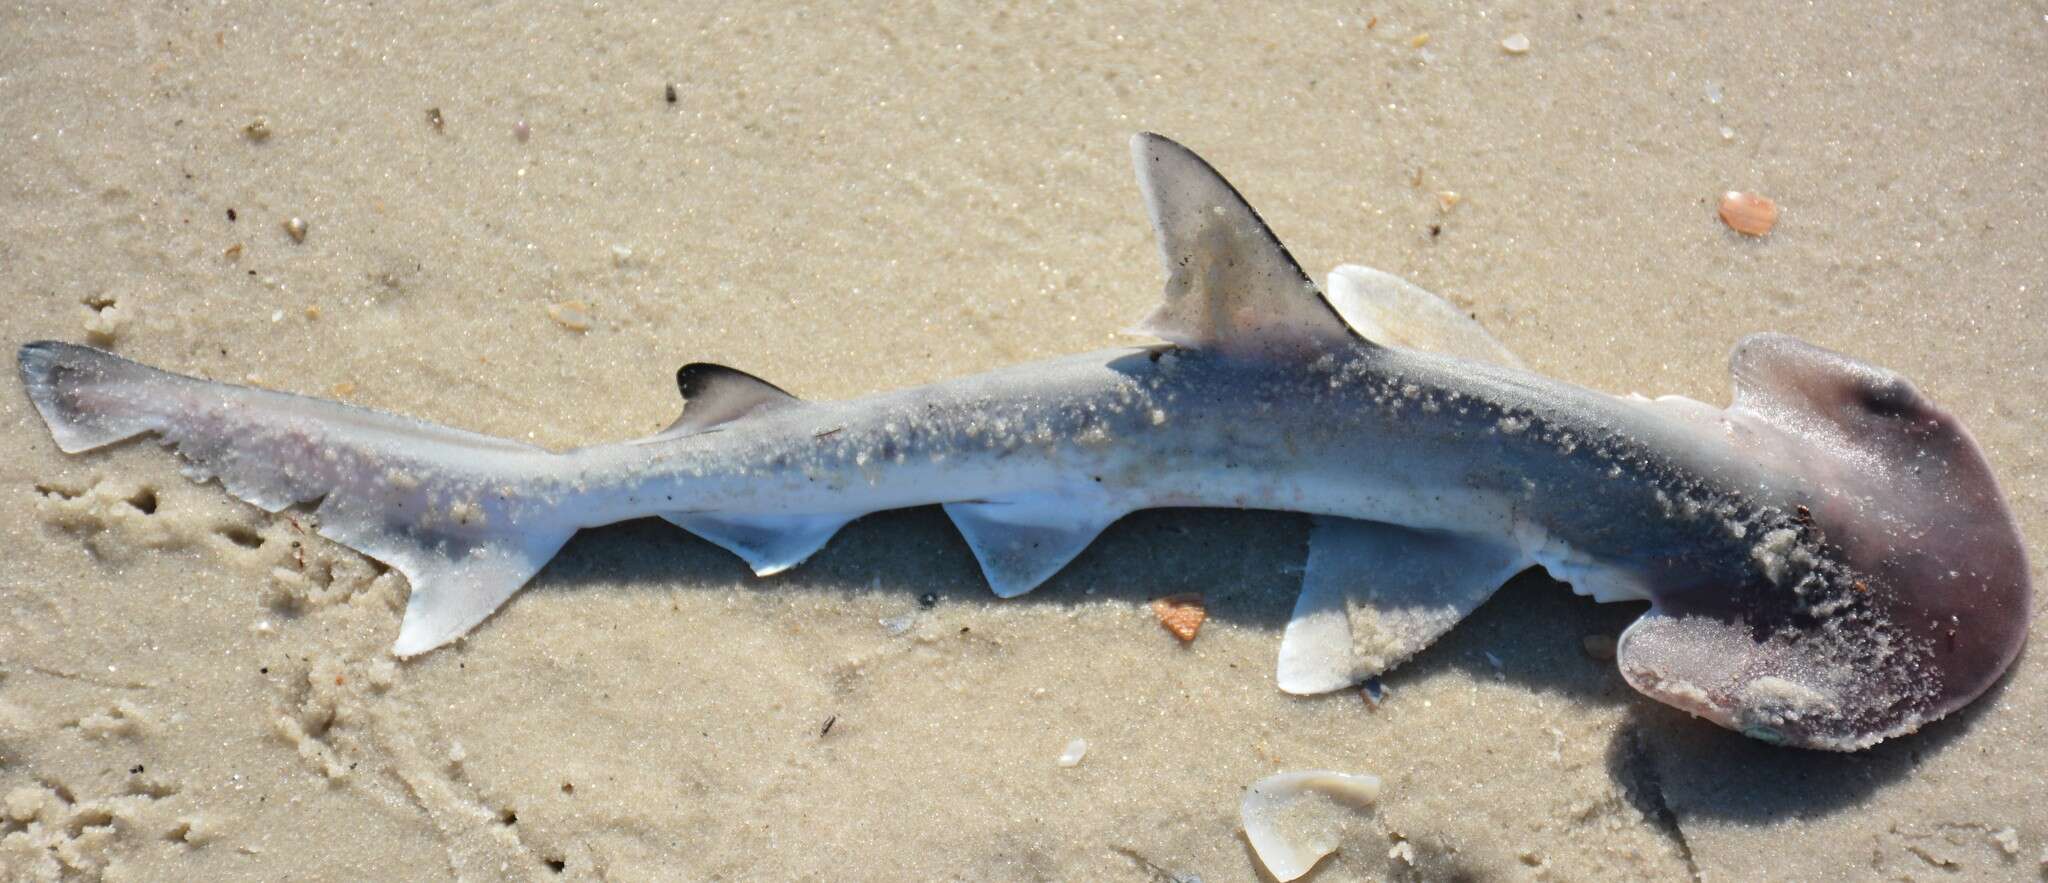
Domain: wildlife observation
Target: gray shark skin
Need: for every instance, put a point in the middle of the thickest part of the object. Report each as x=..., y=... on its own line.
x=1828, y=560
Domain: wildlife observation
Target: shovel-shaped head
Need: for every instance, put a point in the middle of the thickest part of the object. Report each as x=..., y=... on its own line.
x=1894, y=592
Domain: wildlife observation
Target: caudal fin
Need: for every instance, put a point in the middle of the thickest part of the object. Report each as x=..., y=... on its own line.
x=61, y=377
x=467, y=518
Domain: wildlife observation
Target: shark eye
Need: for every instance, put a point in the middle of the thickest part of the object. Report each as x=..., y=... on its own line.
x=1888, y=395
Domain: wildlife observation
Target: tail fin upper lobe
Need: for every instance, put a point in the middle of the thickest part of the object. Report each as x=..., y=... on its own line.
x=58, y=377
x=467, y=518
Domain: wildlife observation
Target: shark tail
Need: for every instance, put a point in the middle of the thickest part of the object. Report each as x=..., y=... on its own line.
x=467, y=518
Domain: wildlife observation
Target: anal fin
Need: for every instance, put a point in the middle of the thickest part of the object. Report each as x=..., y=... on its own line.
x=769, y=544
x=1021, y=541
x=1375, y=594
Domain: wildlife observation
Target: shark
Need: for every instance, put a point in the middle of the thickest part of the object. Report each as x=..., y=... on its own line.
x=1827, y=561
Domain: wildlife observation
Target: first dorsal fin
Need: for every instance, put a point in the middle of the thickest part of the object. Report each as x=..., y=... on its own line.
x=715, y=394
x=1230, y=285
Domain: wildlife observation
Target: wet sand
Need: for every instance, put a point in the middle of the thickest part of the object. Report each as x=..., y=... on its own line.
x=850, y=200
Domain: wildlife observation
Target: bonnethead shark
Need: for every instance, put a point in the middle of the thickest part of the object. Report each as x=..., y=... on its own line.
x=1828, y=560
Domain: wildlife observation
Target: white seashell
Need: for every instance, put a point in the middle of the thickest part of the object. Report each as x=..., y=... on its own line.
x=1293, y=819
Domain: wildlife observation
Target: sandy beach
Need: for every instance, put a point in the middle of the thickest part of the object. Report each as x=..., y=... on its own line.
x=519, y=219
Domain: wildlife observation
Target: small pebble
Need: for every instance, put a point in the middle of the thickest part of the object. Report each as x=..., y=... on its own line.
x=258, y=129
x=1599, y=647
x=1515, y=44
x=1448, y=199
x=434, y=119
x=668, y=93
x=1727, y=134
x=232, y=252
x=2007, y=839
x=1748, y=213
x=1419, y=40
x=522, y=131
x=296, y=229
x=198, y=830
x=104, y=323
x=1076, y=750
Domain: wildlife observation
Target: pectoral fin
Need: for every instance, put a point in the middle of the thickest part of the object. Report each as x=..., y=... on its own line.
x=1375, y=594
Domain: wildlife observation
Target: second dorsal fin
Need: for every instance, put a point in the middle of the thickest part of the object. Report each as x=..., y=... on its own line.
x=1230, y=285
x=1391, y=311
x=715, y=394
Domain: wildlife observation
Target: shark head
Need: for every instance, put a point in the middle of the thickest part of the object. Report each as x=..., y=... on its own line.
x=1895, y=591
x=1860, y=574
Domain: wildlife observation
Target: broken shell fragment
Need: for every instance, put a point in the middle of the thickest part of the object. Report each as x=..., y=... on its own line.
x=571, y=314
x=1181, y=614
x=1747, y=213
x=1293, y=819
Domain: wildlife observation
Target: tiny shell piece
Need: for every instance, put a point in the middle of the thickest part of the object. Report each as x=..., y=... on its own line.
x=1290, y=822
x=571, y=314
x=1076, y=750
x=1515, y=44
x=296, y=229
x=1181, y=614
x=1748, y=213
x=1373, y=692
